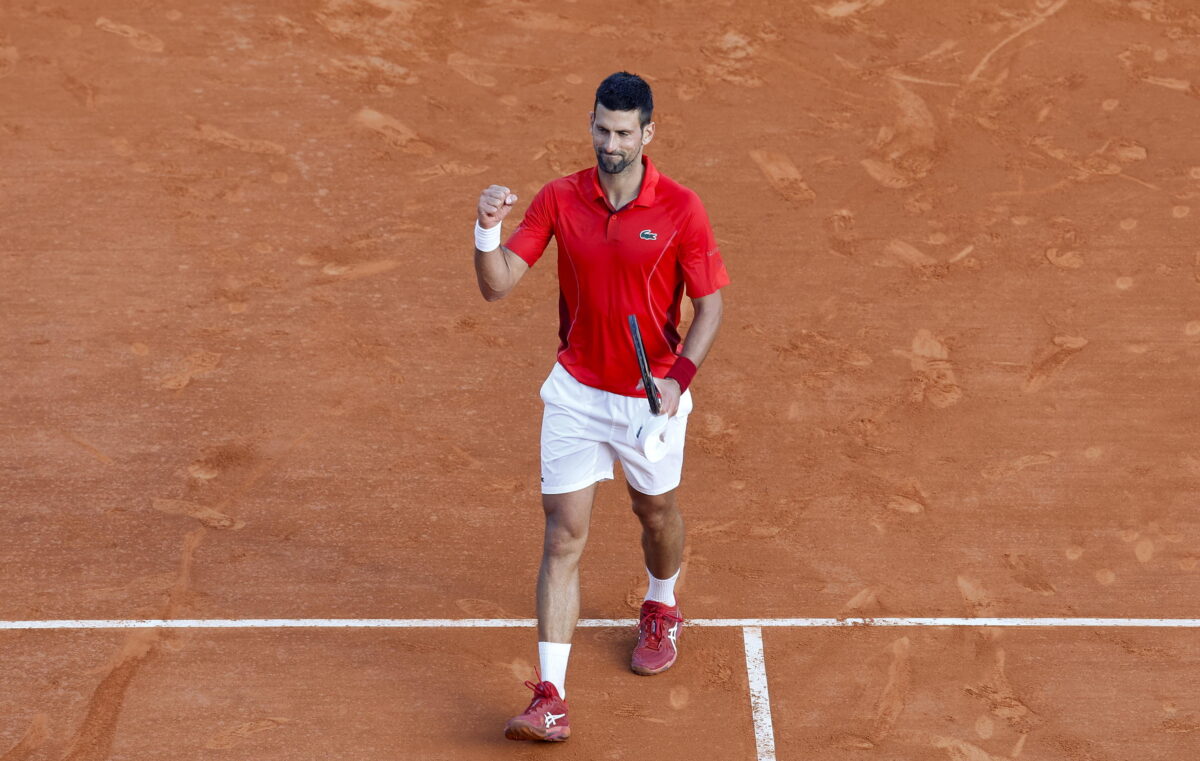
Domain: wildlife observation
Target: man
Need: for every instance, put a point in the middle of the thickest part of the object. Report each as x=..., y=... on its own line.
x=630, y=241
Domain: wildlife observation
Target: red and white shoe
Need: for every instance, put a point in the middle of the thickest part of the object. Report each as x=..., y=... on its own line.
x=657, y=648
x=544, y=719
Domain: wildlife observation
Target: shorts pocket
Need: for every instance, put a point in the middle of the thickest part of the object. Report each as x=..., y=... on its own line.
x=544, y=391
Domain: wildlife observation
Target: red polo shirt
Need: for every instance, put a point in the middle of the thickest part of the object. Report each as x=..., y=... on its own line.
x=614, y=263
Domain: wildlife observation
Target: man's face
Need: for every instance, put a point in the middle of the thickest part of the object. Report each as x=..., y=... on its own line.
x=618, y=137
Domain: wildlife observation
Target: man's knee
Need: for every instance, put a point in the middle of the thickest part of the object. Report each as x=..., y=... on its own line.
x=567, y=518
x=654, y=510
x=564, y=539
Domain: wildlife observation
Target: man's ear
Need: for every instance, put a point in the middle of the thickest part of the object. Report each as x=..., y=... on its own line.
x=648, y=133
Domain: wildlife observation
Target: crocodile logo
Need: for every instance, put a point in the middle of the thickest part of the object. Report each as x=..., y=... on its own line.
x=648, y=235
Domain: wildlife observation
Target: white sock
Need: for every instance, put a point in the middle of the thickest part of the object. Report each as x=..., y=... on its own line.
x=662, y=590
x=553, y=659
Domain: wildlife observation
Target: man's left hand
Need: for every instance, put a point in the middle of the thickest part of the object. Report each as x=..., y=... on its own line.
x=668, y=395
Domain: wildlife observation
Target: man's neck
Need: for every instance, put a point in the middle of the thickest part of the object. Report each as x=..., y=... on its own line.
x=624, y=187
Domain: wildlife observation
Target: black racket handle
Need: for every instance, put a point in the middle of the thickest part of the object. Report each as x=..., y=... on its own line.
x=644, y=366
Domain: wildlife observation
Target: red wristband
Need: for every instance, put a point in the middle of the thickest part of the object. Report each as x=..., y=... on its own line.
x=682, y=372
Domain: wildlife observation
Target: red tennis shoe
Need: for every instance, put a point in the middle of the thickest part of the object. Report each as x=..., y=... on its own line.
x=659, y=626
x=544, y=719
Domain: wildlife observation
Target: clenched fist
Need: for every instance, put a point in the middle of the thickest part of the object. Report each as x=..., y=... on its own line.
x=494, y=205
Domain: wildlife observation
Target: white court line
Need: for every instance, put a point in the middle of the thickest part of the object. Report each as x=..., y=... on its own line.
x=756, y=668
x=760, y=700
x=526, y=623
x=1186, y=623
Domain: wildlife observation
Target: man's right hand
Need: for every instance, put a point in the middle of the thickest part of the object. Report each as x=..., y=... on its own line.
x=494, y=205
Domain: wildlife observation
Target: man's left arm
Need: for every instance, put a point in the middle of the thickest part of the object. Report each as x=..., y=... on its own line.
x=699, y=340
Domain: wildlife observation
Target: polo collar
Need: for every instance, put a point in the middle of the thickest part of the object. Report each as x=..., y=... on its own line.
x=645, y=196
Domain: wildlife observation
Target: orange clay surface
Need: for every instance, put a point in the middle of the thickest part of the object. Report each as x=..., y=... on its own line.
x=246, y=372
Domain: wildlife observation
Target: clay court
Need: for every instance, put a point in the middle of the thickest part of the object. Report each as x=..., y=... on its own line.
x=249, y=378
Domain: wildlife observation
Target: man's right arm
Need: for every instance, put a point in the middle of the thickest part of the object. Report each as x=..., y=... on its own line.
x=498, y=269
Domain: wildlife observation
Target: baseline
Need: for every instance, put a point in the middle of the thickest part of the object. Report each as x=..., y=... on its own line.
x=497, y=623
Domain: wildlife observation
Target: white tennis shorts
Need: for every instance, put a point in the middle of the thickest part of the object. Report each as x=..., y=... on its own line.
x=585, y=429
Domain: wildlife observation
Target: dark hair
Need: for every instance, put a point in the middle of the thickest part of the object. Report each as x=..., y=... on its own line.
x=625, y=92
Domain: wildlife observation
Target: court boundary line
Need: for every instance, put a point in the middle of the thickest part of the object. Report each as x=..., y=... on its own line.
x=760, y=698
x=525, y=623
x=752, y=642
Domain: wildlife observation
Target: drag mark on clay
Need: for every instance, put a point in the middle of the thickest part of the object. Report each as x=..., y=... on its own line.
x=1181, y=85
x=886, y=175
x=471, y=70
x=978, y=601
x=1108, y=160
x=935, y=379
x=217, y=136
x=393, y=131
x=905, y=148
x=909, y=498
x=732, y=55
x=30, y=741
x=961, y=750
x=8, y=60
x=1002, y=700
x=1039, y=19
x=371, y=68
x=914, y=128
x=895, y=693
x=386, y=24
x=206, y=515
x=89, y=447
x=1067, y=260
x=197, y=363
x=261, y=470
x=94, y=739
x=355, y=271
x=864, y=603
x=1001, y=470
x=629, y=711
x=1049, y=365
x=1029, y=573
x=82, y=92
x=907, y=255
x=844, y=8
x=783, y=176
x=137, y=38
x=476, y=608
x=232, y=737
x=452, y=169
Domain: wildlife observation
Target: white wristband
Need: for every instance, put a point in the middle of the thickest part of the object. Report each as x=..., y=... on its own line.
x=487, y=239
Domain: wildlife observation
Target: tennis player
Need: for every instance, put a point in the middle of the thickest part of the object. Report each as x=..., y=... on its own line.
x=631, y=241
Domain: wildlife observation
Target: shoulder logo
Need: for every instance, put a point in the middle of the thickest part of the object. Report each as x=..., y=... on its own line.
x=648, y=235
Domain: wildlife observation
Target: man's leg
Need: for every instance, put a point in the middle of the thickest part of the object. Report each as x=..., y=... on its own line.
x=567, y=519
x=662, y=532
x=659, y=620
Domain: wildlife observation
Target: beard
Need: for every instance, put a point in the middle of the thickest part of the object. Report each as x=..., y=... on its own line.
x=610, y=164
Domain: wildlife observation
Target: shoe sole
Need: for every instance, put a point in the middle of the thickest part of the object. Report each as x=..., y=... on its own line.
x=523, y=730
x=643, y=671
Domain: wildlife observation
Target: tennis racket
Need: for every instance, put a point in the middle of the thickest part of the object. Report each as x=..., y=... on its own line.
x=644, y=366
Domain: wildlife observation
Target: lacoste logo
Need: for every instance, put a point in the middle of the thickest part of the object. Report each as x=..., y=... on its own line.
x=552, y=718
x=648, y=235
